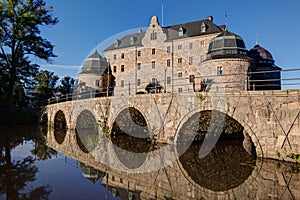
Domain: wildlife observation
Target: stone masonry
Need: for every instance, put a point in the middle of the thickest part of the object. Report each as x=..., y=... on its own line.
x=270, y=118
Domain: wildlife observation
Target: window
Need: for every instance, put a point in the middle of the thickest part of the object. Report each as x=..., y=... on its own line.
x=168, y=49
x=179, y=89
x=190, y=60
x=179, y=74
x=179, y=47
x=153, y=36
x=115, y=56
x=153, y=51
x=202, y=57
x=179, y=60
x=220, y=71
x=132, y=40
x=122, y=83
x=192, y=79
x=122, y=55
x=115, y=69
x=191, y=45
x=153, y=64
x=153, y=80
x=168, y=80
x=181, y=32
x=139, y=53
x=168, y=63
x=203, y=27
x=202, y=44
x=138, y=82
x=122, y=68
x=139, y=66
x=97, y=83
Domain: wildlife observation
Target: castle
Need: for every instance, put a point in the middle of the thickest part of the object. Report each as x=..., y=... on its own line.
x=194, y=56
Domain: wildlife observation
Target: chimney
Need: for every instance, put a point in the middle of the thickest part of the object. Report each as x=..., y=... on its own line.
x=210, y=18
x=140, y=30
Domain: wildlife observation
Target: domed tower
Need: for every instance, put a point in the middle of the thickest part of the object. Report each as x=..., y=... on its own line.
x=96, y=75
x=265, y=74
x=227, y=63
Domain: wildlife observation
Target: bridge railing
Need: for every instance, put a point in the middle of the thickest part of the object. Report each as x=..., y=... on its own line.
x=259, y=80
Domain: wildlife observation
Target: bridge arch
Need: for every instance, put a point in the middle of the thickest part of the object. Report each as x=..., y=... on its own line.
x=125, y=110
x=248, y=131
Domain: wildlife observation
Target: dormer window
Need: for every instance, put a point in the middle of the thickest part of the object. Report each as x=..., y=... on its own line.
x=132, y=40
x=203, y=27
x=181, y=31
x=117, y=43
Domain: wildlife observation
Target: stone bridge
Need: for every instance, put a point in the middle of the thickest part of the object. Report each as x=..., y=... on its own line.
x=270, y=119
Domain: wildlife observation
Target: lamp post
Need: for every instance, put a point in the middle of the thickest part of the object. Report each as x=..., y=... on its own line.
x=166, y=79
x=108, y=77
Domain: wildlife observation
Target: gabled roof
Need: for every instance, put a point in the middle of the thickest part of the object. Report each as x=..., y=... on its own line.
x=191, y=29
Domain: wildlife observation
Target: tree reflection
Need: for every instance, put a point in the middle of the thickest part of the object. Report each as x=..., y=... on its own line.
x=41, y=151
x=16, y=175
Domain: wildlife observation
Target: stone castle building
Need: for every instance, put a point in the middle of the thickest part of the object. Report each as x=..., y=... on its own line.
x=194, y=56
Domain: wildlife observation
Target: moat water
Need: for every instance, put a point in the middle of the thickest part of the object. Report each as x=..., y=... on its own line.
x=31, y=169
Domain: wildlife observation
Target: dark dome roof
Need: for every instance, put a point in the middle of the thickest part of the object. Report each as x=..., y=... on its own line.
x=95, y=64
x=226, y=40
x=259, y=52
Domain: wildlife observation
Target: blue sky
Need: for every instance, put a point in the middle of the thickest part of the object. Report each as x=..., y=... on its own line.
x=83, y=24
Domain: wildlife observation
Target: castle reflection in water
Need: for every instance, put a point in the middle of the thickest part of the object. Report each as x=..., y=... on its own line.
x=227, y=172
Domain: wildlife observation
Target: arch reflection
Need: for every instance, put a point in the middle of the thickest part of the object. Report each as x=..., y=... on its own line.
x=60, y=127
x=131, y=138
x=227, y=165
x=86, y=130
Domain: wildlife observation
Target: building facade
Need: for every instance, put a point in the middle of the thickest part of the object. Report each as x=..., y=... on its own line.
x=194, y=56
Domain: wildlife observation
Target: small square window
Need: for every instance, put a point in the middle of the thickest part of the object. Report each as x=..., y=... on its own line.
x=153, y=64
x=168, y=80
x=202, y=44
x=179, y=89
x=122, y=83
x=153, y=51
x=179, y=74
x=179, y=60
x=115, y=56
x=190, y=60
x=191, y=45
x=179, y=47
x=139, y=53
x=168, y=49
x=139, y=66
x=220, y=71
x=138, y=82
x=153, y=80
x=168, y=63
x=192, y=79
x=115, y=69
x=122, y=55
x=97, y=83
x=122, y=68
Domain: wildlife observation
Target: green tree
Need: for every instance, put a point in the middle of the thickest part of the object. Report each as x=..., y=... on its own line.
x=20, y=41
x=67, y=85
x=45, y=85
